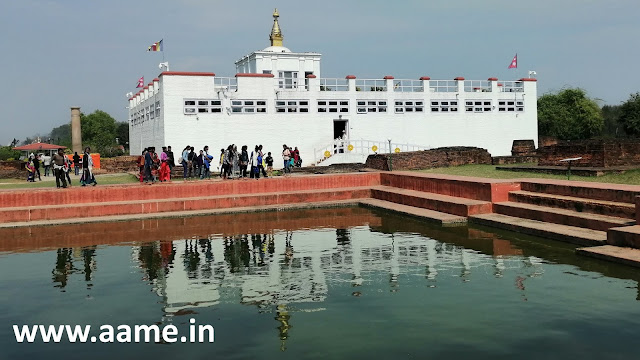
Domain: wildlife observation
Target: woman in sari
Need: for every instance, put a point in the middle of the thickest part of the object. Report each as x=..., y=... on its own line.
x=164, y=166
x=31, y=170
x=155, y=164
x=87, y=169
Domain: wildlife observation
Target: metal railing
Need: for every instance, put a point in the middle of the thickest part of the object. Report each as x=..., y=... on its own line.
x=477, y=86
x=334, y=85
x=443, y=85
x=511, y=86
x=408, y=86
x=371, y=85
x=292, y=84
x=346, y=145
x=225, y=83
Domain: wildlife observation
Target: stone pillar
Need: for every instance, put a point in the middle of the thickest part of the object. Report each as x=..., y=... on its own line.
x=76, y=132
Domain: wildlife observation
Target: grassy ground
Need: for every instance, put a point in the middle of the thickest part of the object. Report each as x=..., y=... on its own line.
x=49, y=182
x=631, y=177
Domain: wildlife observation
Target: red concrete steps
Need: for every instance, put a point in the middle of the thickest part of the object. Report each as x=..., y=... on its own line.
x=442, y=203
x=561, y=216
x=441, y=218
x=570, y=234
x=597, y=191
x=130, y=192
x=137, y=207
x=579, y=204
x=627, y=236
x=493, y=190
x=620, y=255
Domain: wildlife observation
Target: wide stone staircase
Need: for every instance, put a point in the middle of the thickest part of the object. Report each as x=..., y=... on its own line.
x=579, y=213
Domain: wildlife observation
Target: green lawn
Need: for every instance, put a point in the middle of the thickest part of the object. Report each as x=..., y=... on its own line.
x=631, y=177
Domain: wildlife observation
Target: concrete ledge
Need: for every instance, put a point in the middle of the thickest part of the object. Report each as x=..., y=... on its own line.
x=182, y=214
x=563, y=233
x=85, y=210
x=596, y=191
x=624, y=236
x=493, y=190
x=441, y=203
x=561, y=216
x=620, y=255
x=420, y=213
x=579, y=204
x=131, y=192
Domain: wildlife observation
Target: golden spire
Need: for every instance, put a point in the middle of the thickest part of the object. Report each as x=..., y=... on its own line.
x=276, y=34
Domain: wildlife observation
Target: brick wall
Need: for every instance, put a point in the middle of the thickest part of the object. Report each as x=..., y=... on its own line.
x=119, y=164
x=440, y=157
x=594, y=153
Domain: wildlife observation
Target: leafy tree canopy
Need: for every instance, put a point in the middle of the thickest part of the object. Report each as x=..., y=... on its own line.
x=630, y=115
x=569, y=115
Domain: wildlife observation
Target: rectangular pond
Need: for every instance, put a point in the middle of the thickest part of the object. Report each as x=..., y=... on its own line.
x=315, y=284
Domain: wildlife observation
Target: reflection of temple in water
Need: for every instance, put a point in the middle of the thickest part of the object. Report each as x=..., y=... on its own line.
x=278, y=270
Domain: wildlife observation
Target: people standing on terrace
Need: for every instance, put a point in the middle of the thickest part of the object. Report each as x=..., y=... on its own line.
x=286, y=156
x=140, y=162
x=261, y=163
x=171, y=162
x=221, y=163
x=186, y=164
x=195, y=163
x=87, y=169
x=30, y=170
x=269, y=161
x=76, y=163
x=148, y=164
x=67, y=169
x=165, y=170
x=36, y=166
x=46, y=162
x=236, y=164
x=58, y=160
x=244, y=162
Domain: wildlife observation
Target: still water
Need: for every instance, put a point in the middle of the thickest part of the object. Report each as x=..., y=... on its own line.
x=324, y=283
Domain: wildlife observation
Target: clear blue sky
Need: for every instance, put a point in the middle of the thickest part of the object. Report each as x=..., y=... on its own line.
x=60, y=53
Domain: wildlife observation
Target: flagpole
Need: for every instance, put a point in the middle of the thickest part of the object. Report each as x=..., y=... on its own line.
x=162, y=49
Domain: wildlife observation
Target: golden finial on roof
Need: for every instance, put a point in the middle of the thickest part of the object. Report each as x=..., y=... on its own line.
x=276, y=34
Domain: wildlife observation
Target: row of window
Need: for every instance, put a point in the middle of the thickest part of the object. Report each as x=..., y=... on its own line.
x=145, y=114
x=195, y=106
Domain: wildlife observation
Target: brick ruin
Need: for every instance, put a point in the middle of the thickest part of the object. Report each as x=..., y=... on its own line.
x=433, y=158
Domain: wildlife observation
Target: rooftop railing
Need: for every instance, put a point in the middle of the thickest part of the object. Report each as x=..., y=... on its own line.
x=408, y=86
x=371, y=85
x=225, y=83
x=511, y=86
x=477, y=86
x=334, y=85
x=443, y=85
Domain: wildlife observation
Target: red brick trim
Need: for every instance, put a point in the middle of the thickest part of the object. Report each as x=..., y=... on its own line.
x=311, y=76
x=350, y=77
x=459, y=78
x=528, y=79
x=388, y=77
x=493, y=79
x=156, y=79
x=254, y=75
x=425, y=78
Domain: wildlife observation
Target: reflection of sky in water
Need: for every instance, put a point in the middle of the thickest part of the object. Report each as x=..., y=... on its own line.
x=358, y=292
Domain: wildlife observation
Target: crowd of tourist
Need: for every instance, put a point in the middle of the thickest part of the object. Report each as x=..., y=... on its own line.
x=231, y=163
x=61, y=165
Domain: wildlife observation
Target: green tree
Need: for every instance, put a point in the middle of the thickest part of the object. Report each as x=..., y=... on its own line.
x=98, y=131
x=61, y=135
x=611, y=115
x=630, y=115
x=569, y=115
x=6, y=153
x=122, y=133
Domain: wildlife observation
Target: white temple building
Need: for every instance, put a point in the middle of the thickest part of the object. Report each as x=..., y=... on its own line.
x=279, y=97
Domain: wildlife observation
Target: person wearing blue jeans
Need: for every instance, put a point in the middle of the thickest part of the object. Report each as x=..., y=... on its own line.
x=185, y=161
x=286, y=156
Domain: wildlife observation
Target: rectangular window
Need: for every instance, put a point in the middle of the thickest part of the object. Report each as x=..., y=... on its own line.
x=371, y=106
x=248, y=106
x=333, y=106
x=409, y=106
x=510, y=106
x=478, y=106
x=292, y=106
